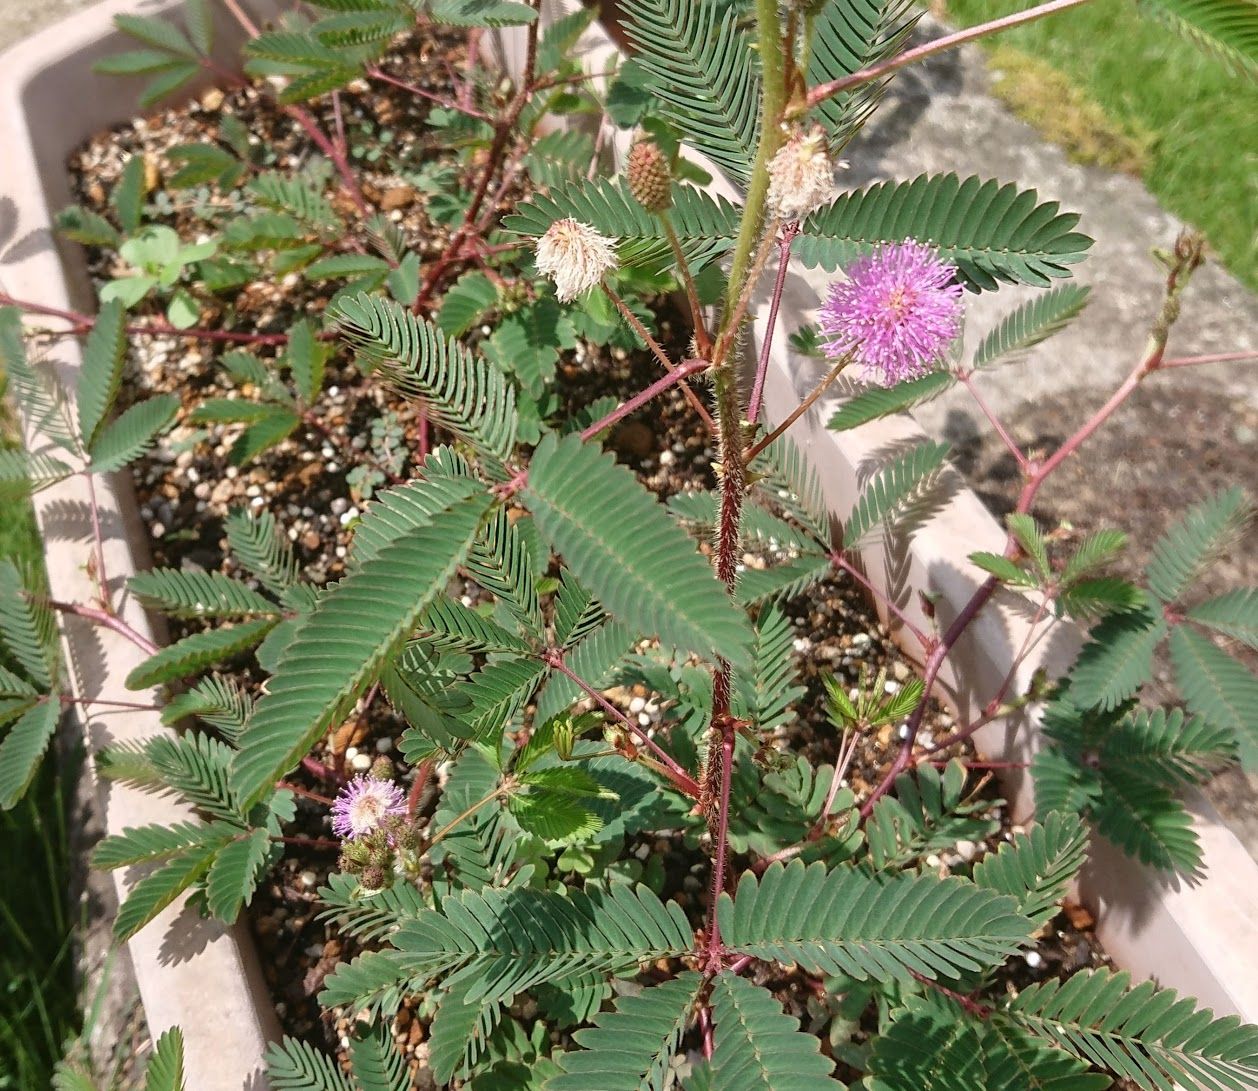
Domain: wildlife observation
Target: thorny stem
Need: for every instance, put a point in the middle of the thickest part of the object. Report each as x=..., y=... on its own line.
x=785, y=241
x=824, y=91
x=317, y=769
x=721, y=847
x=636, y=325
x=800, y=409
x=1187, y=257
x=702, y=341
x=640, y=399
x=105, y=620
x=678, y=776
x=733, y=320
x=967, y=379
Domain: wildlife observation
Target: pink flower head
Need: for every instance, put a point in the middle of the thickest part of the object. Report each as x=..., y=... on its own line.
x=897, y=312
x=363, y=804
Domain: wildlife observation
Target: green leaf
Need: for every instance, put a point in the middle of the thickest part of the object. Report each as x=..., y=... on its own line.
x=22, y=473
x=932, y=1045
x=1163, y=745
x=356, y=627
x=196, y=652
x=378, y=1064
x=27, y=630
x=164, y=1071
x=346, y=265
x=255, y=540
x=200, y=24
x=1032, y=322
x=275, y=423
x=454, y=625
x=847, y=922
x=294, y=1065
x=459, y=1034
x=148, y=844
x=281, y=193
x=1226, y=29
x=1217, y=688
x=1187, y=548
x=190, y=593
x=1148, y=1035
x=1146, y=821
x=503, y=942
x=159, y=888
x=133, y=433
x=848, y=38
x=466, y=393
x=23, y=746
x=1234, y=614
x=593, y=659
x=156, y=32
x=83, y=226
x=198, y=767
x=990, y=232
x=1031, y=541
x=875, y=402
x=1118, y=659
x=234, y=874
x=631, y=1048
x=895, y=488
x=782, y=581
x=465, y=301
x=1037, y=866
x=1004, y=569
x=202, y=164
x=127, y=197
x=758, y=1047
x=767, y=692
x=1102, y=595
x=621, y=544
x=482, y=13
x=702, y=74
x=306, y=358
x=37, y=392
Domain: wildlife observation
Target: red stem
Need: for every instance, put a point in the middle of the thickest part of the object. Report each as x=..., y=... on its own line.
x=105, y=620
x=677, y=375
x=967, y=379
x=306, y=120
x=1211, y=358
x=824, y=91
x=384, y=77
x=784, y=257
x=715, y=947
x=84, y=322
x=838, y=559
x=682, y=780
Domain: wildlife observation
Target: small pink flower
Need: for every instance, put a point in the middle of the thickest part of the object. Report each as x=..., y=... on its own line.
x=897, y=312
x=363, y=804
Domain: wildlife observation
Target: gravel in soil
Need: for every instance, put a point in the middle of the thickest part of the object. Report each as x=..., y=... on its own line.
x=188, y=485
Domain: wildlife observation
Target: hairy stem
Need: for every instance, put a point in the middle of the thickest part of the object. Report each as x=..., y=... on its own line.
x=800, y=409
x=677, y=375
x=702, y=341
x=785, y=241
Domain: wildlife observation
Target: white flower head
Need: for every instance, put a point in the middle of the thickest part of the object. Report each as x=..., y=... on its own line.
x=801, y=175
x=575, y=257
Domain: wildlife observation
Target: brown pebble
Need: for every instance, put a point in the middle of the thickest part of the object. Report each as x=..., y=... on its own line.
x=397, y=197
x=1079, y=916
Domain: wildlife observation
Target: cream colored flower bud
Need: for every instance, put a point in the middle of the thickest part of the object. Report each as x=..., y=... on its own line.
x=801, y=175
x=575, y=257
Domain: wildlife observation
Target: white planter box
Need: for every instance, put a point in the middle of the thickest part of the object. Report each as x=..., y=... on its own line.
x=1201, y=939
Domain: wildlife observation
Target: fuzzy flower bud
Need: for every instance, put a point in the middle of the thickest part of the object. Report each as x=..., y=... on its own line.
x=381, y=769
x=896, y=313
x=650, y=180
x=801, y=175
x=575, y=257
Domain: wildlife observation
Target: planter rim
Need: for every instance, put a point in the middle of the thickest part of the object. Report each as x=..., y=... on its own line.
x=1199, y=938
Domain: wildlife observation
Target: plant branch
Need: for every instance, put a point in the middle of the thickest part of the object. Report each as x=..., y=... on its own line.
x=785, y=241
x=800, y=409
x=651, y=343
x=677, y=375
x=1209, y=358
x=680, y=779
x=824, y=91
x=840, y=561
x=379, y=74
x=967, y=379
x=105, y=620
x=702, y=341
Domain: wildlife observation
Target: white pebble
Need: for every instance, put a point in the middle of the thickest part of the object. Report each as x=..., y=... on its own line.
x=308, y=878
x=383, y=746
x=637, y=704
x=1034, y=959
x=967, y=850
x=903, y=732
x=361, y=763
x=891, y=687
x=351, y=752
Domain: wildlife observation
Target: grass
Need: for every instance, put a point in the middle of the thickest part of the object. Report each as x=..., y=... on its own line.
x=1184, y=124
x=38, y=1002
